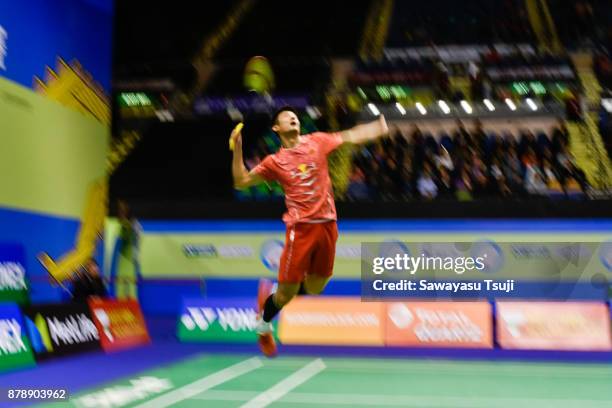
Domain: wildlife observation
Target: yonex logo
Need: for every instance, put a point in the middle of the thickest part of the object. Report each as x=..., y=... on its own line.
x=10, y=337
x=201, y=317
x=270, y=254
x=12, y=276
x=228, y=318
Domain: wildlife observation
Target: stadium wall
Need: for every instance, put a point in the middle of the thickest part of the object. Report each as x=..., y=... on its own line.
x=50, y=151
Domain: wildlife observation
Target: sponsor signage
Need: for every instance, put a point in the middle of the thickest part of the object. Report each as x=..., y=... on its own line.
x=3, y=47
x=456, y=53
x=60, y=329
x=332, y=321
x=15, y=350
x=120, y=323
x=439, y=324
x=13, y=285
x=559, y=72
x=200, y=251
x=544, y=258
x=553, y=325
x=218, y=320
x=223, y=251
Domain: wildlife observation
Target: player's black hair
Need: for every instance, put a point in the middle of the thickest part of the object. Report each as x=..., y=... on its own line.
x=286, y=108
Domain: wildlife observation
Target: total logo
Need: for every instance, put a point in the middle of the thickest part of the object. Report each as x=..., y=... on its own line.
x=270, y=254
x=605, y=255
x=228, y=318
x=400, y=315
x=491, y=253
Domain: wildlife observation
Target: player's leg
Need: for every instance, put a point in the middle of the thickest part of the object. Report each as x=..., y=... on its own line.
x=314, y=284
x=322, y=263
x=294, y=262
x=277, y=300
x=285, y=292
x=269, y=306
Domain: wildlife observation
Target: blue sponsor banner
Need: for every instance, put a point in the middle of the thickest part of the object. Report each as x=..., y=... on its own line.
x=38, y=233
x=13, y=282
x=15, y=350
x=34, y=33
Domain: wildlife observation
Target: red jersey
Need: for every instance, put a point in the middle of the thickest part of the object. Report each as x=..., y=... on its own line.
x=303, y=173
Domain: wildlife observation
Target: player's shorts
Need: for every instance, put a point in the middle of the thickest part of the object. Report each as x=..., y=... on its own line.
x=309, y=249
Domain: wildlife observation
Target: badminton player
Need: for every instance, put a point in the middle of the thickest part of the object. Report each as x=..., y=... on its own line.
x=300, y=166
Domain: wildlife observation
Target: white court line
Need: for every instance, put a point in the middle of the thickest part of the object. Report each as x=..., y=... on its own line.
x=464, y=364
x=203, y=384
x=439, y=368
x=380, y=400
x=282, y=388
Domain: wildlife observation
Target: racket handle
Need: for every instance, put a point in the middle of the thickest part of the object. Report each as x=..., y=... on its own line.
x=236, y=130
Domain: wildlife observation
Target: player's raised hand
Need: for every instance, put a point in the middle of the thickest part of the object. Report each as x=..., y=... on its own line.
x=238, y=141
x=235, y=140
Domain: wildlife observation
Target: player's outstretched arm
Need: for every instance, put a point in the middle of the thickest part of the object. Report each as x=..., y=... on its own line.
x=366, y=132
x=242, y=177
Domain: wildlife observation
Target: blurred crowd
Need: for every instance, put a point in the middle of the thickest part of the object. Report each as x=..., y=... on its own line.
x=466, y=165
x=452, y=22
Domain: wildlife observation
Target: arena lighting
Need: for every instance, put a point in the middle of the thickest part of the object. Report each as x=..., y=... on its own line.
x=531, y=104
x=444, y=106
x=466, y=107
x=135, y=99
x=400, y=108
x=164, y=115
x=373, y=109
x=607, y=104
x=510, y=104
x=421, y=108
x=489, y=105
